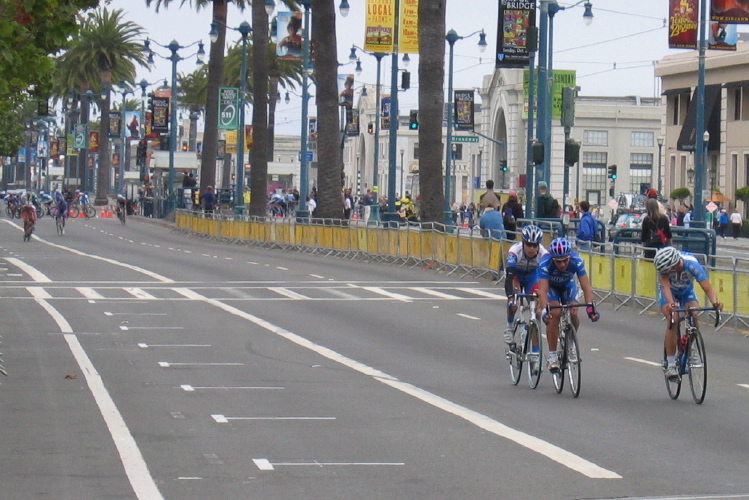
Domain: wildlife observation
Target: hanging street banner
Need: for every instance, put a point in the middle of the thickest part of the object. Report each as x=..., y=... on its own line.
x=249, y=138
x=722, y=36
x=682, y=24
x=385, y=111
x=729, y=11
x=160, y=115
x=80, y=136
x=408, y=32
x=228, y=108
x=464, y=109
x=93, y=142
x=70, y=149
x=231, y=141
x=289, y=32
x=515, y=17
x=380, y=26
x=352, y=122
x=562, y=78
x=115, y=121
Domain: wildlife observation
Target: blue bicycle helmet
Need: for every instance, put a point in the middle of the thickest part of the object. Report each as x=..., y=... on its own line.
x=532, y=234
x=560, y=247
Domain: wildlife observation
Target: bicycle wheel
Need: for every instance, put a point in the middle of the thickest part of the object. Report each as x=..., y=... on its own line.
x=558, y=376
x=672, y=385
x=76, y=211
x=535, y=358
x=572, y=361
x=9, y=211
x=123, y=216
x=697, y=366
x=27, y=228
x=90, y=212
x=515, y=355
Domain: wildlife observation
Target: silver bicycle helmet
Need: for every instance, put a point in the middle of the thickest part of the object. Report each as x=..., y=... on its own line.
x=666, y=258
x=532, y=234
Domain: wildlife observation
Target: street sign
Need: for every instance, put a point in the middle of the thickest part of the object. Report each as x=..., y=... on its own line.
x=712, y=207
x=228, y=108
x=310, y=156
x=80, y=135
x=613, y=204
x=465, y=138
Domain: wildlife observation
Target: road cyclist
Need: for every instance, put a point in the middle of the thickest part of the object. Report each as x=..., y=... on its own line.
x=121, y=208
x=28, y=215
x=677, y=272
x=60, y=212
x=557, y=286
x=521, y=287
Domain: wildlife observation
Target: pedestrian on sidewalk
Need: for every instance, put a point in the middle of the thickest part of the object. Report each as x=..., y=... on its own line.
x=723, y=221
x=736, y=223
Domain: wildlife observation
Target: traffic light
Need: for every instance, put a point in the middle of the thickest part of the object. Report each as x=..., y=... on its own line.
x=568, y=106
x=538, y=152
x=413, y=120
x=370, y=128
x=571, y=152
x=612, y=171
x=503, y=165
x=142, y=153
x=406, y=80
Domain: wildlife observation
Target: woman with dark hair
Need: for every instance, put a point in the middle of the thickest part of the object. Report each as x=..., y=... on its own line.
x=512, y=211
x=656, y=231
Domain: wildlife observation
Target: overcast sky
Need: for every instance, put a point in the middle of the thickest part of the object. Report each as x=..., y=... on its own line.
x=613, y=56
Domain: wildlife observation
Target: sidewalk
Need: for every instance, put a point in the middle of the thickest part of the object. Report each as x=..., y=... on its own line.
x=729, y=243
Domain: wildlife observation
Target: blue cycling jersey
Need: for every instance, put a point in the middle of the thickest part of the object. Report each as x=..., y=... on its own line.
x=523, y=267
x=692, y=271
x=557, y=278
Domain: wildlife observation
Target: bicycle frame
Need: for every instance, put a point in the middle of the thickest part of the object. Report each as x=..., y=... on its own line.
x=526, y=326
x=568, y=349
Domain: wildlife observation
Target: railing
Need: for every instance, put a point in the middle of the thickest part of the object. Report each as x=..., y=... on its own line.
x=618, y=276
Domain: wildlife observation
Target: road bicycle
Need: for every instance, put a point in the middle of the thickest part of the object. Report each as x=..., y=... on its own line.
x=691, y=358
x=87, y=210
x=60, y=224
x=568, y=350
x=121, y=214
x=28, y=228
x=526, y=332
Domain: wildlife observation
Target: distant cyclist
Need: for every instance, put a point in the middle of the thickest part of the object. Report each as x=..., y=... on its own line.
x=523, y=260
x=61, y=206
x=677, y=272
x=556, y=285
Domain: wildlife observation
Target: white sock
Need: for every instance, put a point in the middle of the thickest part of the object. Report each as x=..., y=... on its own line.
x=671, y=360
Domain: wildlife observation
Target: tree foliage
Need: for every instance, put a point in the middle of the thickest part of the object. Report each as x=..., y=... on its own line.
x=681, y=194
x=743, y=194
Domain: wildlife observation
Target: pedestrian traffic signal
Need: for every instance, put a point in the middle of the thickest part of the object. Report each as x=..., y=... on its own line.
x=370, y=128
x=612, y=171
x=140, y=157
x=571, y=152
x=503, y=165
x=413, y=120
x=537, y=149
x=406, y=80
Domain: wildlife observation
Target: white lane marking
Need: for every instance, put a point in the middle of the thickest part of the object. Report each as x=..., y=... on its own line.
x=190, y=388
x=42, y=294
x=166, y=364
x=107, y=313
x=392, y=295
x=433, y=293
x=643, y=361
x=143, y=345
x=282, y=268
x=127, y=328
x=222, y=419
x=745, y=386
x=340, y=294
x=148, y=273
x=691, y=497
x=467, y=316
x=262, y=463
x=287, y=293
x=89, y=293
x=482, y=293
x=139, y=293
x=33, y=273
x=135, y=466
x=339, y=464
x=317, y=276
x=533, y=443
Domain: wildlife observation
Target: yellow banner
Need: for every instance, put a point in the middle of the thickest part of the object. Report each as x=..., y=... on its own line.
x=231, y=141
x=380, y=26
x=408, y=35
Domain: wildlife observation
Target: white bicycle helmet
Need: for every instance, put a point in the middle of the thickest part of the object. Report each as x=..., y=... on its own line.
x=532, y=234
x=666, y=258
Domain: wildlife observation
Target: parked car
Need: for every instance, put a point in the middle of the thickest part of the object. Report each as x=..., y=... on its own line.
x=626, y=221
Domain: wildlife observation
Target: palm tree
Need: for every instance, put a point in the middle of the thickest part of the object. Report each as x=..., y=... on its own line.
x=105, y=51
x=431, y=104
x=330, y=164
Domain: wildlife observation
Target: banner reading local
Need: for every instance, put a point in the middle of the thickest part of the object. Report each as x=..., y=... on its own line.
x=380, y=26
x=515, y=19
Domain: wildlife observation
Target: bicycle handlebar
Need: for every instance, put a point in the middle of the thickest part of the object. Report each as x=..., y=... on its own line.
x=691, y=310
x=570, y=306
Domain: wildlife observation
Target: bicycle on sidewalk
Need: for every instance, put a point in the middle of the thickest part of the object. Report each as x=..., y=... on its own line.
x=568, y=349
x=528, y=348
x=690, y=357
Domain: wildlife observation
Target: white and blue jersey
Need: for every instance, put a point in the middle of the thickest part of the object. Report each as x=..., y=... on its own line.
x=562, y=284
x=524, y=268
x=682, y=283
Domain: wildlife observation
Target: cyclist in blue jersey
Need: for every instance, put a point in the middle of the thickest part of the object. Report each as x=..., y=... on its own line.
x=61, y=206
x=556, y=285
x=677, y=272
x=522, y=263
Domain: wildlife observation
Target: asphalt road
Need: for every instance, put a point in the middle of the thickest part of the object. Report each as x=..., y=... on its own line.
x=146, y=363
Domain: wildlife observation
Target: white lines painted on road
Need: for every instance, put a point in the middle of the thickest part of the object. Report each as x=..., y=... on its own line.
x=264, y=464
x=89, y=292
x=482, y=293
x=190, y=388
x=287, y=293
x=135, y=466
x=644, y=361
x=33, y=273
x=139, y=293
x=108, y=313
x=143, y=345
x=317, y=276
x=282, y=268
x=745, y=386
x=544, y=448
x=166, y=364
x=433, y=293
x=467, y=316
x=221, y=419
x=392, y=295
x=126, y=328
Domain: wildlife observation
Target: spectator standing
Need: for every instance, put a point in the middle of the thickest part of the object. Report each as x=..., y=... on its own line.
x=311, y=205
x=491, y=224
x=208, y=200
x=512, y=210
x=488, y=197
x=656, y=231
x=587, y=228
x=687, y=218
x=348, y=203
x=723, y=221
x=736, y=223
x=368, y=200
x=545, y=202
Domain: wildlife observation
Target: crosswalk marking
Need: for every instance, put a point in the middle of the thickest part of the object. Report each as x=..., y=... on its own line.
x=139, y=293
x=433, y=293
x=89, y=293
x=287, y=293
x=392, y=295
x=482, y=293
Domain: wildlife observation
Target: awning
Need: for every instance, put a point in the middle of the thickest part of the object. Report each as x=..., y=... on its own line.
x=742, y=83
x=687, y=137
x=719, y=198
x=684, y=90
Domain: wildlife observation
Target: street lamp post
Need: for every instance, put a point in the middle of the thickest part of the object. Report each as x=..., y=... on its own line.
x=375, y=214
x=699, y=164
x=174, y=57
x=660, y=148
x=123, y=141
x=403, y=186
x=451, y=38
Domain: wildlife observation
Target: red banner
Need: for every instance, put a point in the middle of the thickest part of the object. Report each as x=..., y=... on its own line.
x=93, y=142
x=730, y=11
x=682, y=24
